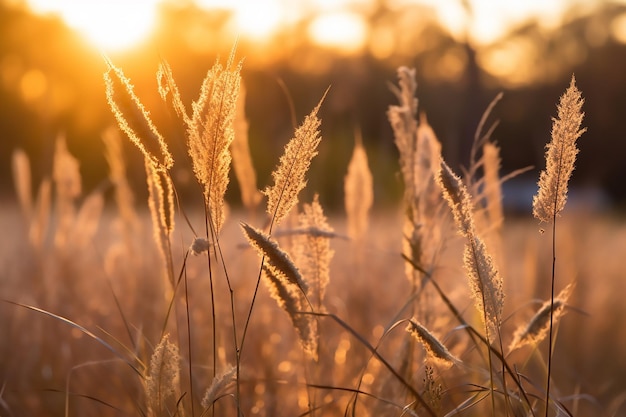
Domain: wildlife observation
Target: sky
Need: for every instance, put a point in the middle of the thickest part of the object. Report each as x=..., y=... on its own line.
x=339, y=23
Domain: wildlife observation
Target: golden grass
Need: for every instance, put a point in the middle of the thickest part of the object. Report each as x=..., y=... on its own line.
x=340, y=350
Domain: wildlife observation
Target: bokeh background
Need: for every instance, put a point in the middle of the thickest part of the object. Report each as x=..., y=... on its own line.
x=465, y=52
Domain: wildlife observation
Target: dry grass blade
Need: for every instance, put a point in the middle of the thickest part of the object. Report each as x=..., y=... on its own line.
x=289, y=177
x=134, y=119
x=82, y=330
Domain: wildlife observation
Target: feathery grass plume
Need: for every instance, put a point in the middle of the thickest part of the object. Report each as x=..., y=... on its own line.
x=22, y=180
x=210, y=133
x=124, y=197
x=161, y=204
x=426, y=167
x=419, y=161
x=423, y=225
x=404, y=125
x=537, y=328
x=291, y=299
x=41, y=219
x=66, y=176
x=277, y=261
x=458, y=199
x=134, y=119
x=485, y=281
x=163, y=376
x=435, y=350
x=219, y=385
x=560, y=156
x=242, y=161
x=358, y=187
x=294, y=163
x=168, y=87
x=313, y=254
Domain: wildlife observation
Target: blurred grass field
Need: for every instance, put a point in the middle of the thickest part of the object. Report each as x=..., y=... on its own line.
x=115, y=294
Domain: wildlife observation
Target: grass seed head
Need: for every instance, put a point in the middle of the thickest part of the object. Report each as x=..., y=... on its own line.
x=561, y=154
x=435, y=350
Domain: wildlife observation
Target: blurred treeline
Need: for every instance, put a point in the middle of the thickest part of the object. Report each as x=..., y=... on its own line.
x=51, y=83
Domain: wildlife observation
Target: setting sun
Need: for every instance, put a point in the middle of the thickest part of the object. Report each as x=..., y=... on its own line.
x=112, y=25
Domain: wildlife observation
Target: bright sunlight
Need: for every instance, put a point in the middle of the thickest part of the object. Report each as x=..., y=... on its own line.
x=118, y=25
x=109, y=25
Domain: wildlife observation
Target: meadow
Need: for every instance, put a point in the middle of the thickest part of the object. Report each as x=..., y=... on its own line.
x=439, y=307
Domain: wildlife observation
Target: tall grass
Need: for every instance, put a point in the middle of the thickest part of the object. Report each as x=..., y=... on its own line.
x=210, y=340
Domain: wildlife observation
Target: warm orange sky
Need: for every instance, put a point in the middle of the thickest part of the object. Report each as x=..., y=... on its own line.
x=338, y=23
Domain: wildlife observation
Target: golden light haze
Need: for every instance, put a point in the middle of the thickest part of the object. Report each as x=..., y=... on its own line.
x=342, y=24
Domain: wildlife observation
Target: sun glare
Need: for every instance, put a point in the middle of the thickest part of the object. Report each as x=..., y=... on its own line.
x=110, y=25
x=258, y=20
x=341, y=30
x=338, y=24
